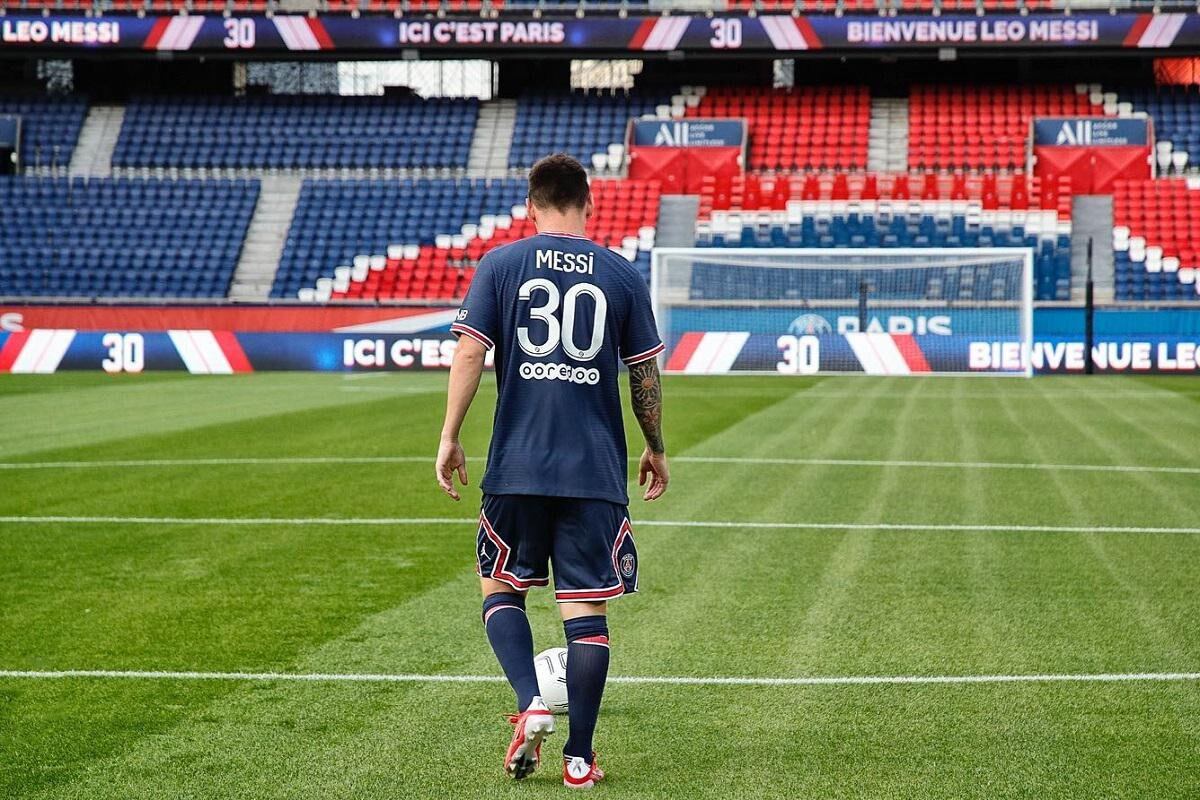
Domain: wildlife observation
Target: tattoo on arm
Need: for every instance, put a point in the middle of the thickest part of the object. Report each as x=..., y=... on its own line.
x=646, y=394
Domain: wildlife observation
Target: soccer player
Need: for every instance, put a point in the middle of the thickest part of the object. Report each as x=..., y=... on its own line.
x=560, y=311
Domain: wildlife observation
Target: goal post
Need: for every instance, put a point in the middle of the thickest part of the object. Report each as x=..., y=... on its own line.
x=874, y=311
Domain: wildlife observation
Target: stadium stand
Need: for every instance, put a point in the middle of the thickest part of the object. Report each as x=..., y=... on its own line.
x=953, y=127
x=121, y=237
x=889, y=211
x=807, y=127
x=1155, y=247
x=297, y=132
x=341, y=247
x=1176, y=114
x=581, y=124
x=49, y=127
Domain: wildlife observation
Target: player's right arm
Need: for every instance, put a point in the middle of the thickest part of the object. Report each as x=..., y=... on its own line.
x=645, y=392
x=465, y=372
x=477, y=327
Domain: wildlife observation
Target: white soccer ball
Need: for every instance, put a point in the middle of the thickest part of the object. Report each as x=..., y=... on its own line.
x=551, y=666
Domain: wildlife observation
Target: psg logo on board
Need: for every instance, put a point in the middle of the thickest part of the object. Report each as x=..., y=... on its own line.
x=809, y=325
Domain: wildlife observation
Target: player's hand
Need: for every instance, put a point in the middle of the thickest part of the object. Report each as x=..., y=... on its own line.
x=451, y=459
x=654, y=466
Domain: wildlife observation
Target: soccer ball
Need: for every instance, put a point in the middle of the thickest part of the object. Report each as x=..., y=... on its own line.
x=551, y=666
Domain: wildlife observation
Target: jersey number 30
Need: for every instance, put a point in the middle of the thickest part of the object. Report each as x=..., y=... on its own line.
x=562, y=331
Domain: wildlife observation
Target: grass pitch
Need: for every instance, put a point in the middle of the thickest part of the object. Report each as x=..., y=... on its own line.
x=109, y=582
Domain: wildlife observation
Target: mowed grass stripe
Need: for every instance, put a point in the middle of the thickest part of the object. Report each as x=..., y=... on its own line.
x=288, y=461
x=644, y=523
x=633, y=680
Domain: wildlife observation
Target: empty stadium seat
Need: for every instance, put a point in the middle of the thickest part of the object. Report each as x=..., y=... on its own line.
x=1156, y=250
x=422, y=238
x=296, y=132
x=840, y=211
x=952, y=127
x=805, y=127
x=580, y=124
x=121, y=237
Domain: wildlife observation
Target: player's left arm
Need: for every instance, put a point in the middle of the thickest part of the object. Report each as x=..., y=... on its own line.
x=465, y=372
x=645, y=394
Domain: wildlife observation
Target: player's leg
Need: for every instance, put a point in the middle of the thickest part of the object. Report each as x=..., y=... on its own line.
x=508, y=633
x=594, y=561
x=586, y=626
x=512, y=553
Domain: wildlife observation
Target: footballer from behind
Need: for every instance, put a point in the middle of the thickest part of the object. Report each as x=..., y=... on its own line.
x=561, y=312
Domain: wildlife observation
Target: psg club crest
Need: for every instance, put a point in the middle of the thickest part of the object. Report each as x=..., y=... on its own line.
x=627, y=565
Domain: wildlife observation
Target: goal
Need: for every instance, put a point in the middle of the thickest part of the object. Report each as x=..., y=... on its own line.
x=868, y=311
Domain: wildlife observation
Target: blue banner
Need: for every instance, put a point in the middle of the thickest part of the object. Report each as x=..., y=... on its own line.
x=9, y=126
x=689, y=133
x=183, y=35
x=1090, y=131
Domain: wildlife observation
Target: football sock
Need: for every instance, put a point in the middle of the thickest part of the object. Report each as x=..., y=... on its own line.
x=587, y=670
x=508, y=632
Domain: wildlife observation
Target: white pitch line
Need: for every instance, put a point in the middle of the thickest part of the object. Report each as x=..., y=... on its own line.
x=214, y=462
x=645, y=523
x=810, y=462
x=846, y=680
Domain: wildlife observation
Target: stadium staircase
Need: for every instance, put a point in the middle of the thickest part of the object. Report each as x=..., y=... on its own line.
x=488, y=157
x=677, y=215
x=97, y=140
x=887, y=149
x=259, y=261
x=1092, y=218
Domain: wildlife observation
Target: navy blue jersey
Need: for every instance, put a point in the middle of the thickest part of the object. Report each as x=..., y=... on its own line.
x=560, y=311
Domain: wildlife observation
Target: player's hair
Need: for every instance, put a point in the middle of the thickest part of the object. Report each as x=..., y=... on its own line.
x=558, y=182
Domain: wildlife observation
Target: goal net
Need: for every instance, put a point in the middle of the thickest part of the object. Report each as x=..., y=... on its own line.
x=871, y=311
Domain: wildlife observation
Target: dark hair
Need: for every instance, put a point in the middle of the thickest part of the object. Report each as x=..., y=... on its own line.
x=558, y=182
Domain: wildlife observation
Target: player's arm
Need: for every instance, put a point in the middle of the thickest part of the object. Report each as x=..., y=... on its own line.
x=645, y=391
x=465, y=371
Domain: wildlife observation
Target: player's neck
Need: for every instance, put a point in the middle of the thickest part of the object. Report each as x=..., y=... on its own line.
x=570, y=224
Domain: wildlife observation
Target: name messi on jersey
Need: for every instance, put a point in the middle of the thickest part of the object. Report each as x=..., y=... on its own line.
x=581, y=263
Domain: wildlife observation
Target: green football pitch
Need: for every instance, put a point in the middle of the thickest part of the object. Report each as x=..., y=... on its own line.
x=250, y=587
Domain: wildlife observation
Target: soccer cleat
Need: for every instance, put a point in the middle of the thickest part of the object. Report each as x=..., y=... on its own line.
x=529, y=728
x=579, y=774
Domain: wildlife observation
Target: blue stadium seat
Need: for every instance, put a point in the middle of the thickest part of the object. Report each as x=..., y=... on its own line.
x=338, y=220
x=1052, y=259
x=297, y=132
x=122, y=237
x=579, y=124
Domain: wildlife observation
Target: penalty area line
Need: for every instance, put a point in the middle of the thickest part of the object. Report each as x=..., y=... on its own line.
x=645, y=523
x=845, y=680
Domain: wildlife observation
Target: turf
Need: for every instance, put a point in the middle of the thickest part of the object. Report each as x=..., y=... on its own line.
x=727, y=601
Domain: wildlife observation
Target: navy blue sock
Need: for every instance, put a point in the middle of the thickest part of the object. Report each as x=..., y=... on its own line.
x=587, y=670
x=508, y=632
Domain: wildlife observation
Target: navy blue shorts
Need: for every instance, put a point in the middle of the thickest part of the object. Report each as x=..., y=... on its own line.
x=589, y=542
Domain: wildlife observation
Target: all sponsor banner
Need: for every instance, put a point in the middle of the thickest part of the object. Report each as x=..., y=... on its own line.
x=208, y=35
x=1090, y=132
x=689, y=133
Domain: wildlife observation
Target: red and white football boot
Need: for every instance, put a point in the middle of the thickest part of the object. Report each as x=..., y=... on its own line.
x=530, y=727
x=579, y=774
